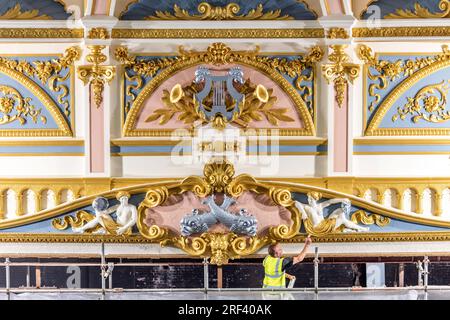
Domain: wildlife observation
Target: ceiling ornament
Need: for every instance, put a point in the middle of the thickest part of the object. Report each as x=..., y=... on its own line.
x=16, y=13
x=220, y=54
x=209, y=12
x=421, y=12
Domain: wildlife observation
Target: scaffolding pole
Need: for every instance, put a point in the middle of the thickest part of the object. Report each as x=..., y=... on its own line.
x=316, y=269
x=8, y=284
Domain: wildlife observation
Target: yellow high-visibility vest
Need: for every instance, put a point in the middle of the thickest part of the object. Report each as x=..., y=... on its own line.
x=274, y=277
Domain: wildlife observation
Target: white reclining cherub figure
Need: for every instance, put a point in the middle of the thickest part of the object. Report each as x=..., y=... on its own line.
x=314, y=212
x=126, y=216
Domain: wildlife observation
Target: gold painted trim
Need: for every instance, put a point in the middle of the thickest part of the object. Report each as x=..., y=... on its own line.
x=327, y=7
x=77, y=143
x=410, y=31
x=390, y=141
x=293, y=142
x=364, y=204
x=290, y=186
x=63, y=127
x=162, y=154
x=135, y=1
x=360, y=153
x=8, y=33
x=373, y=127
x=377, y=237
x=216, y=33
x=337, y=238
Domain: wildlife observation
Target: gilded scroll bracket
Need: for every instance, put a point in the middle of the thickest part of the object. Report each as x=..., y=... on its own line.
x=340, y=71
x=95, y=74
x=218, y=54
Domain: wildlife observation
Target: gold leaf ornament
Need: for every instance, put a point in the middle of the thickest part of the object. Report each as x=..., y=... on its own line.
x=229, y=12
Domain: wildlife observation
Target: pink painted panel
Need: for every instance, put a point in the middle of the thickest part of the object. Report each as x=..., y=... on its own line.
x=170, y=214
x=101, y=7
x=97, y=136
x=185, y=77
x=341, y=136
x=335, y=6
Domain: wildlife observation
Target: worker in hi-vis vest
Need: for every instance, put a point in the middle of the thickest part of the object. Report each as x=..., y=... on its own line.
x=275, y=266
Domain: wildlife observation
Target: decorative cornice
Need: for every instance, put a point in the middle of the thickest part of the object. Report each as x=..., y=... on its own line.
x=57, y=33
x=218, y=54
x=216, y=33
x=339, y=238
x=411, y=31
x=16, y=13
x=377, y=237
x=421, y=12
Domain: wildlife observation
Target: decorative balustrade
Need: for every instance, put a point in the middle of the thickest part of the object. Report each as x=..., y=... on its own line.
x=428, y=196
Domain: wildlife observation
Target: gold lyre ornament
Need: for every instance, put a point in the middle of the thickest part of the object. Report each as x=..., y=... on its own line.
x=340, y=71
x=220, y=247
x=95, y=74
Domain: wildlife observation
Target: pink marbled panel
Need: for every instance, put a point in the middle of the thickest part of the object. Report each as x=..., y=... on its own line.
x=341, y=136
x=101, y=7
x=185, y=77
x=335, y=7
x=97, y=132
x=177, y=207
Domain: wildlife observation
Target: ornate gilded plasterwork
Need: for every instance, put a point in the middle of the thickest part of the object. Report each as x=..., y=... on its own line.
x=98, y=33
x=48, y=73
x=16, y=13
x=237, y=33
x=421, y=12
x=412, y=70
x=228, y=12
x=340, y=71
x=17, y=108
x=37, y=33
x=411, y=31
x=337, y=33
x=429, y=104
x=219, y=54
x=96, y=74
x=218, y=177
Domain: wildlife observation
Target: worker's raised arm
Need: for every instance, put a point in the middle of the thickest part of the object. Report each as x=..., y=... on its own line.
x=302, y=254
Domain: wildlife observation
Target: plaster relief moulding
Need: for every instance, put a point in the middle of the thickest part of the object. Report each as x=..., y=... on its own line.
x=95, y=74
x=216, y=54
x=427, y=104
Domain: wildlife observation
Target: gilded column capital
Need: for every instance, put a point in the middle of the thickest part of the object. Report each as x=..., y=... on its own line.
x=96, y=74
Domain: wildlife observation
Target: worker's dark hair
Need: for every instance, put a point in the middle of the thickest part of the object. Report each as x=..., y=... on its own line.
x=272, y=249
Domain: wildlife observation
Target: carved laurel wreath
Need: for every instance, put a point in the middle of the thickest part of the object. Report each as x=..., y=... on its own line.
x=252, y=109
